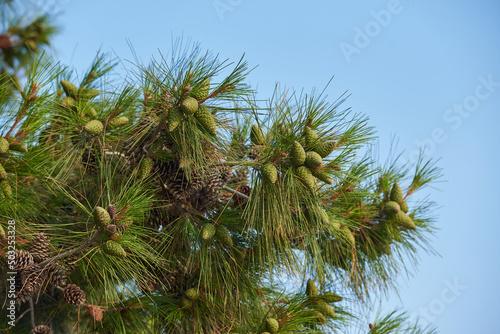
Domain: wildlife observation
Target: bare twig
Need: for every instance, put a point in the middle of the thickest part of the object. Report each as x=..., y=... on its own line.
x=235, y=192
x=32, y=313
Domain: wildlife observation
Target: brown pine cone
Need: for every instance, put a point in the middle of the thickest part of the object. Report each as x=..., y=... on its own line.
x=95, y=312
x=57, y=275
x=23, y=259
x=42, y=329
x=40, y=248
x=73, y=295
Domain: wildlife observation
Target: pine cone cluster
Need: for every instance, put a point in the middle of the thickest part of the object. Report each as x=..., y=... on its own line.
x=73, y=295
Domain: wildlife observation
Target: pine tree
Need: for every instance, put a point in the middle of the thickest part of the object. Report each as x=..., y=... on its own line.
x=153, y=218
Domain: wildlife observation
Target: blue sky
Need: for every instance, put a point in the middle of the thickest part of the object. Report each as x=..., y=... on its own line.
x=425, y=72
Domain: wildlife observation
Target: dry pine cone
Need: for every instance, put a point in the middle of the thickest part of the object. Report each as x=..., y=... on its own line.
x=42, y=329
x=73, y=295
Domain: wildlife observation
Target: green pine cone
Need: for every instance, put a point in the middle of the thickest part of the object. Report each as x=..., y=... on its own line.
x=202, y=90
x=313, y=160
x=4, y=145
x=94, y=127
x=113, y=248
x=3, y=173
x=322, y=176
x=206, y=119
x=68, y=103
x=145, y=167
x=325, y=149
x=185, y=303
x=347, y=235
x=311, y=136
x=391, y=208
x=174, y=117
x=101, y=216
x=207, y=231
x=91, y=113
x=272, y=325
x=326, y=309
x=320, y=317
x=88, y=93
x=222, y=234
x=311, y=288
x=6, y=188
x=396, y=193
x=270, y=173
x=257, y=136
x=331, y=297
x=18, y=148
x=403, y=219
x=404, y=206
x=192, y=294
x=297, y=154
x=189, y=105
x=69, y=88
x=116, y=122
x=2, y=232
x=305, y=175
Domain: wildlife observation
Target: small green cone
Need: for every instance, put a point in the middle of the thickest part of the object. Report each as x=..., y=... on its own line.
x=18, y=148
x=272, y=325
x=68, y=103
x=257, y=136
x=222, y=234
x=94, y=127
x=403, y=219
x=305, y=175
x=322, y=176
x=326, y=309
x=311, y=136
x=69, y=88
x=185, y=303
x=311, y=288
x=325, y=149
x=101, y=216
x=208, y=231
x=6, y=188
x=396, y=193
x=3, y=173
x=145, y=168
x=192, y=294
x=348, y=236
x=297, y=154
x=404, y=206
x=4, y=145
x=113, y=248
x=202, y=90
x=88, y=94
x=391, y=208
x=331, y=297
x=206, y=119
x=270, y=173
x=91, y=113
x=320, y=317
x=116, y=122
x=174, y=117
x=313, y=160
x=2, y=232
x=189, y=105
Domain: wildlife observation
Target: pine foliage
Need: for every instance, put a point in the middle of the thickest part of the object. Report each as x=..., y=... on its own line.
x=151, y=207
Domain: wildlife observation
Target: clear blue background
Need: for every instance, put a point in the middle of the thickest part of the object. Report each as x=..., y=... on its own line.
x=425, y=58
